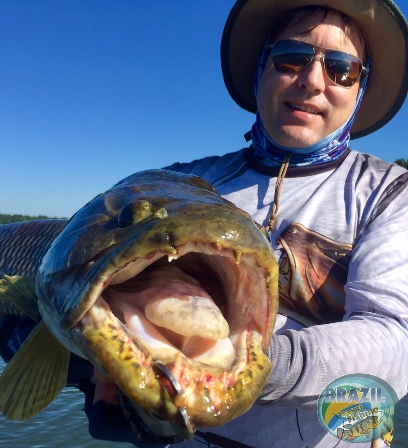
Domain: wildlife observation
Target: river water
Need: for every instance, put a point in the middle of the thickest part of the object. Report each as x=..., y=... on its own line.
x=63, y=424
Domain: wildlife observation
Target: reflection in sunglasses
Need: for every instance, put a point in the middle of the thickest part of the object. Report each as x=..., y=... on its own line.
x=291, y=55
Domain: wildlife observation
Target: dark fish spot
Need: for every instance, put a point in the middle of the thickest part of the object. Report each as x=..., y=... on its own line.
x=260, y=367
x=161, y=239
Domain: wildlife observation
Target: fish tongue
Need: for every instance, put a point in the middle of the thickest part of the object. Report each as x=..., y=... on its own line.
x=176, y=301
x=164, y=343
x=188, y=315
x=173, y=300
x=167, y=309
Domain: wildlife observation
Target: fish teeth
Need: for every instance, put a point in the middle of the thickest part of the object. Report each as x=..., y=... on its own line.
x=172, y=254
x=238, y=255
x=172, y=257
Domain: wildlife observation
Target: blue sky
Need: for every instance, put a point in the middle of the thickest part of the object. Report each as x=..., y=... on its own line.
x=92, y=91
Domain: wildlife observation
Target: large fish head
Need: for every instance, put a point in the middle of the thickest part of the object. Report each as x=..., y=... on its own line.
x=161, y=278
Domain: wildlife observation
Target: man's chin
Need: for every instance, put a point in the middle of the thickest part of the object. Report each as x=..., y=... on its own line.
x=296, y=137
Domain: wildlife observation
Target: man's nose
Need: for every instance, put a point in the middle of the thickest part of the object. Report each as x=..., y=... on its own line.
x=313, y=76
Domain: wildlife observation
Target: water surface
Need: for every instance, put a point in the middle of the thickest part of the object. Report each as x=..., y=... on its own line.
x=63, y=424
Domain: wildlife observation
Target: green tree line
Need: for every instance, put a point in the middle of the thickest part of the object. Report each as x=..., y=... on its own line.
x=402, y=162
x=7, y=219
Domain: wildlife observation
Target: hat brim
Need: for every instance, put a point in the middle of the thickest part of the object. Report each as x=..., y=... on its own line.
x=386, y=32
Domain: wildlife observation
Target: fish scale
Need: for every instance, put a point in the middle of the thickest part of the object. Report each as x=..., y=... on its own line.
x=23, y=244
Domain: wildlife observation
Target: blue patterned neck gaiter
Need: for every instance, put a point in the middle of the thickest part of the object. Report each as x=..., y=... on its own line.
x=270, y=153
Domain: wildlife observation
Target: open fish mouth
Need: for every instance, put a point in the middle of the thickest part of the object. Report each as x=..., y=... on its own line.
x=172, y=295
x=197, y=317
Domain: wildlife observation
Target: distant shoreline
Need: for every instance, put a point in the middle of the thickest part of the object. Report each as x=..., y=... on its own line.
x=8, y=219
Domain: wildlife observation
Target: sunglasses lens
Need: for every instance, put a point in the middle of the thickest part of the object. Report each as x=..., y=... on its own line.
x=291, y=55
x=342, y=68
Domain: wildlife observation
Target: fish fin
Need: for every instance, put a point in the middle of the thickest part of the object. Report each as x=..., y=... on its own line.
x=34, y=376
x=18, y=297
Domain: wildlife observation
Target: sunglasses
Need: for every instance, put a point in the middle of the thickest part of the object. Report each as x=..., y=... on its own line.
x=290, y=55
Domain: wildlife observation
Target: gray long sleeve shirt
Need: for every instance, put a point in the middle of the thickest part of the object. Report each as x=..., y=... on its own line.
x=341, y=241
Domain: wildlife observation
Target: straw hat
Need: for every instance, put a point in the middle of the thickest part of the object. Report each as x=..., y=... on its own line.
x=386, y=32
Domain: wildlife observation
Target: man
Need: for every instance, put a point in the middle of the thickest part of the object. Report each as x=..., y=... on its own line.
x=336, y=218
x=338, y=231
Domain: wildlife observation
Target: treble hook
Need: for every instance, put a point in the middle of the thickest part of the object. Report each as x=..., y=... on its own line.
x=182, y=424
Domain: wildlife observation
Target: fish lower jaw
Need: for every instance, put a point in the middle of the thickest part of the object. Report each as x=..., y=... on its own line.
x=211, y=395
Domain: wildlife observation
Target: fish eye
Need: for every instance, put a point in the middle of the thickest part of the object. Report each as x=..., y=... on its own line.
x=125, y=217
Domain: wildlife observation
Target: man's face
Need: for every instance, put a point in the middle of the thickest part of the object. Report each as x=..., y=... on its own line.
x=299, y=109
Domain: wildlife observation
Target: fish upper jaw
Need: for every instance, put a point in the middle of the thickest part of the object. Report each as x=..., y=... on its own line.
x=234, y=277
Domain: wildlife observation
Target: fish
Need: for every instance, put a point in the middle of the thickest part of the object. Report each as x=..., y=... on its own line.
x=167, y=288
x=362, y=427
